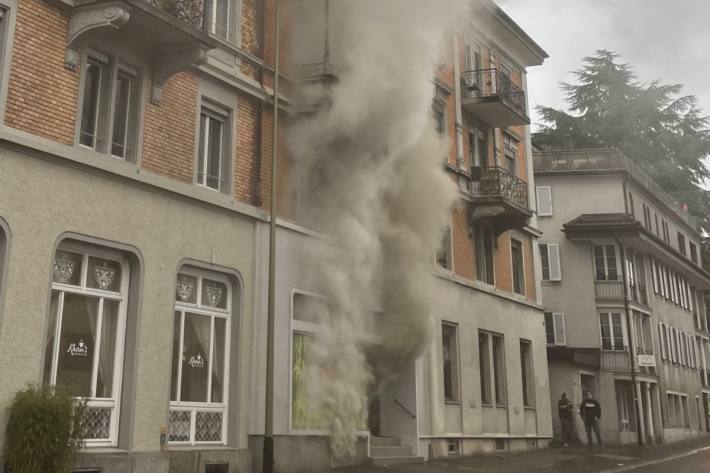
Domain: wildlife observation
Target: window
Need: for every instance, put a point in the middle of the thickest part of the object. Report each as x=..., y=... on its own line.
x=439, y=110
x=693, y=252
x=544, y=201
x=484, y=367
x=484, y=255
x=666, y=232
x=526, y=369
x=308, y=312
x=516, y=251
x=605, y=263
x=110, y=106
x=662, y=340
x=443, y=253
x=200, y=368
x=625, y=405
x=631, y=205
x=213, y=164
x=84, y=346
x=220, y=20
x=555, y=328
x=510, y=145
x=646, y=216
x=477, y=148
x=492, y=368
x=550, y=257
x=655, y=216
x=451, y=362
x=681, y=243
x=612, y=331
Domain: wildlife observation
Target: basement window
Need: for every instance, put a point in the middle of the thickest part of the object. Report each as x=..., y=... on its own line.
x=110, y=104
x=454, y=447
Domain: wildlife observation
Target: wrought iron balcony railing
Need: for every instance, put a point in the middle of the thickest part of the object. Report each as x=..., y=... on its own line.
x=499, y=183
x=192, y=12
x=482, y=83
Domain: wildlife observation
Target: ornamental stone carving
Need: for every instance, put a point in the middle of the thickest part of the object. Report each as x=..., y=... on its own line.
x=105, y=16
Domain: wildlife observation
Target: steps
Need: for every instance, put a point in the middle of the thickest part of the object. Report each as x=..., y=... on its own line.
x=389, y=450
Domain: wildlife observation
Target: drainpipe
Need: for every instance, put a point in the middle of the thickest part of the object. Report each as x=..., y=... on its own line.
x=268, y=457
x=632, y=357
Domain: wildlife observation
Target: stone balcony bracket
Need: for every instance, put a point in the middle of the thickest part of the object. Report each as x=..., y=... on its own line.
x=92, y=18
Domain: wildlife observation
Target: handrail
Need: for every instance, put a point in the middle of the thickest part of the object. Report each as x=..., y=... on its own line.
x=493, y=82
x=396, y=401
x=498, y=182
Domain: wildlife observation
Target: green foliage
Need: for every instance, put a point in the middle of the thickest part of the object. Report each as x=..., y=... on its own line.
x=661, y=130
x=44, y=430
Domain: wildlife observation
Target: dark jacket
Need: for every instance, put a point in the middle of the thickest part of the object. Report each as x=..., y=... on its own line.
x=565, y=408
x=590, y=409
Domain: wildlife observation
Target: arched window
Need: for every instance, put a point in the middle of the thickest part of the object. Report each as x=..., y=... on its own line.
x=200, y=369
x=85, y=340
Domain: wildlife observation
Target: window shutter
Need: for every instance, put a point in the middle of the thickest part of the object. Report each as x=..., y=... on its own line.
x=553, y=254
x=655, y=276
x=544, y=200
x=660, y=340
x=560, y=333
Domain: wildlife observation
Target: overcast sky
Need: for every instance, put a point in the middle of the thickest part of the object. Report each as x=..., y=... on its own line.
x=661, y=39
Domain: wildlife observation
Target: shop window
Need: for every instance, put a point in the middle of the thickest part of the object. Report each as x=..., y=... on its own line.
x=84, y=346
x=200, y=367
x=625, y=406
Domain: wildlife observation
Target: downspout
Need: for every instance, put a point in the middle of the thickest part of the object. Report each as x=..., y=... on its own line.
x=256, y=196
x=632, y=357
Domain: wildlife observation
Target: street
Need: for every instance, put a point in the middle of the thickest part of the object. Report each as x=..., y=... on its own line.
x=698, y=463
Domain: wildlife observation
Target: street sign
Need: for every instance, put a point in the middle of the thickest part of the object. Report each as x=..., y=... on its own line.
x=646, y=360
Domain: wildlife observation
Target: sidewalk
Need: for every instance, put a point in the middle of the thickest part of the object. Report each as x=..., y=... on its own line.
x=550, y=460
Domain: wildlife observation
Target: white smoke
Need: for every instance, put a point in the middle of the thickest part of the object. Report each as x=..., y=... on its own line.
x=383, y=199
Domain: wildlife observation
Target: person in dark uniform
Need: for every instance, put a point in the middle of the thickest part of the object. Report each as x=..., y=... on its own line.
x=566, y=410
x=591, y=411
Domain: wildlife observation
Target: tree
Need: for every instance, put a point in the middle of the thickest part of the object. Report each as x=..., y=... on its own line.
x=651, y=123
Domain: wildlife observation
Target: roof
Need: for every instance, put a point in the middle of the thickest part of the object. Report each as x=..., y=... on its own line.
x=606, y=221
x=516, y=30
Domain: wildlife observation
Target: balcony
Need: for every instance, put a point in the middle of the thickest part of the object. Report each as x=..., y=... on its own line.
x=604, y=160
x=502, y=197
x=615, y=360
x=614, y=291
x=173, y=32
x=492, y=96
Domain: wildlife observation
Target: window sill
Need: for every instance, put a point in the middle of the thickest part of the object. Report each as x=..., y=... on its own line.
x=183, y=448
x=453, y=403
x=530, y=408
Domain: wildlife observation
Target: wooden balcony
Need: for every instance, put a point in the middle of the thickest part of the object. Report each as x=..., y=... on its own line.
x=491, y=95
x=615, y=360
x=502, y=198
x=614, y=291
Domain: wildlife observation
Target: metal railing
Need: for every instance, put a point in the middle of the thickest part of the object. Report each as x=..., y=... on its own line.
x=192, y=12
x=497, y=183
x=493, y=82
x=603, y=159
x=396, y=401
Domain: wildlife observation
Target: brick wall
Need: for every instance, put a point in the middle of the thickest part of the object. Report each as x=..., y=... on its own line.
x=169, y=129
x=246, y=148
x=42, y=93
x=462, y=243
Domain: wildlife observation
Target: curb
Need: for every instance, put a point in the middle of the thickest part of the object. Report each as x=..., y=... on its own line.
x=657, y=461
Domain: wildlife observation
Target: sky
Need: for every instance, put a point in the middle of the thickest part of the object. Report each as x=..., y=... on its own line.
x=661, y=39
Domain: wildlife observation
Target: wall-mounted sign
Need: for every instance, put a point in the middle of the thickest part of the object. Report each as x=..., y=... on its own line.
x=196, y=361
x=646, y=360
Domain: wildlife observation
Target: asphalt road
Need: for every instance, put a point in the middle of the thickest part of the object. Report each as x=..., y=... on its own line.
x=699, y=463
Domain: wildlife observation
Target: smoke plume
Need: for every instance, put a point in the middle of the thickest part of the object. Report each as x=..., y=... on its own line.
x=371, y=163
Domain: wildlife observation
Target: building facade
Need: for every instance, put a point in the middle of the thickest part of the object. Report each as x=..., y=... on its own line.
x=134, y=171
x=623, y=287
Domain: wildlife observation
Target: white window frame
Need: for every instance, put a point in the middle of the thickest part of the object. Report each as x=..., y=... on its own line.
x=211, y=110
x=555, y=271
x=558, y=328
x=113, y=403
x=624, y=341
x=521, y=273
x=606, y=262
x=661, y=341
x=543, y=211
x=213, y=312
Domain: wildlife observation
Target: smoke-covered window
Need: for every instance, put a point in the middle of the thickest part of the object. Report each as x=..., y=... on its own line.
x=451, y=362
x=484, y=255
x=444, y=252
x=439, y=110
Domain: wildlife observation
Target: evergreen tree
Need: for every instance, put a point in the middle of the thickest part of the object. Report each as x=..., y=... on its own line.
x=651, y=123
